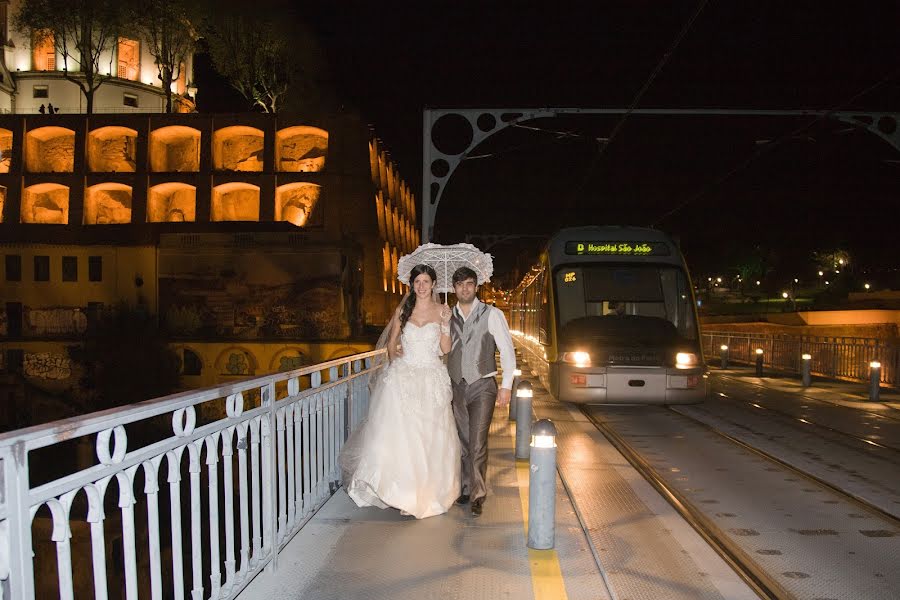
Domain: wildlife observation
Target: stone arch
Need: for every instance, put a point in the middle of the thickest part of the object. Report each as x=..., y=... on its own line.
x=343, y=351
x=2, y=201
x=50, y=149
x=45, y=203
x=301, y=149
x=175, y=148
x=235, y=201
x=386, y=264
x=192, y=363
x=107, y=203
x=238, y=148
x=112, y=150
x=6, y=142
x=373, y=161
x=295, y=202
x=379, y=212
x=289, y=358
x=172, y=202
x=236, y=361
x=395, y=283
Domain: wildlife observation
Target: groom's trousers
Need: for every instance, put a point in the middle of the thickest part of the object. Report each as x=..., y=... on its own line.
x=473, y=409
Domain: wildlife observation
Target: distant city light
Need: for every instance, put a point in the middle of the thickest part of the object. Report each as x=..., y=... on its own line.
x=821, y=273
x=867, y=286
x=784, y=295
x=718, y=280
x=841, y=261
x=757, y=282
x=827, y=282
x=796, y=280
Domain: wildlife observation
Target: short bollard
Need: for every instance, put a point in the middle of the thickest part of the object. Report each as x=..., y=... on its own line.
x=759, y=362
x=512, y=403
x=874, y=381
x=542, y=486
x=804, y=370
x=524, y=393
x=723, y=354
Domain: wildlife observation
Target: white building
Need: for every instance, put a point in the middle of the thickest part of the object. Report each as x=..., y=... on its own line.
x=31, y=75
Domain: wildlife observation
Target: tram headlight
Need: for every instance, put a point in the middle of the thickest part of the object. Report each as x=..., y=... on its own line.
x=579, y=358
x=685, y=360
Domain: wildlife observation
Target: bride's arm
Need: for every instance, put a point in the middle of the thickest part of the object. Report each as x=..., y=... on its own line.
x=446, y=343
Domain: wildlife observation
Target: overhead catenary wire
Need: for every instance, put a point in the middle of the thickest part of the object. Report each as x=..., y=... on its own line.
x=635, y=101
x=761, y=150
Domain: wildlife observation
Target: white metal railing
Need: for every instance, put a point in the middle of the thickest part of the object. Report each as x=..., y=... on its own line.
x=830, y=356
x=270, y=446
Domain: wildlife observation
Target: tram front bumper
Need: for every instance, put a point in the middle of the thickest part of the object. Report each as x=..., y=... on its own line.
x=630, y=385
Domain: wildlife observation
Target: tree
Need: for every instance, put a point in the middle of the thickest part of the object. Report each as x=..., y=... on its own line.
x=166, y=27
x=263, y=54
x=126, y=359
x=81, y=32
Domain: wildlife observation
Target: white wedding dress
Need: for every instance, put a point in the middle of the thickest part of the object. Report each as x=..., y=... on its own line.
x=407, y=454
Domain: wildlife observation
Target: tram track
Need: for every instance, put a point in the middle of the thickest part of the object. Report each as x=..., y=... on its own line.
x=807, y=422
x=740, y=559
x=748, y=570
x=851, y=498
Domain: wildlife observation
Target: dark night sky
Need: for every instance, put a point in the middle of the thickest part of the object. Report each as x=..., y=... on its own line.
x=829, y=187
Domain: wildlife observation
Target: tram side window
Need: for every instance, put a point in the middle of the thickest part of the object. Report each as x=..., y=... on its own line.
x=544, y=333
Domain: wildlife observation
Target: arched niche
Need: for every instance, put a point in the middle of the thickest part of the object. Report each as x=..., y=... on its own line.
x=237, y=201
x=107, y=204
x=238, y=148
x=175, y=149
x=172, y=202
x=45, y=203
x=295, y=202
x=236, y=361
x=301, y=149
x=112, y=150
x=50, y=150
x=6, y=141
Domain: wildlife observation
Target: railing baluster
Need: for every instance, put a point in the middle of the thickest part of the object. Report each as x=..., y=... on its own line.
x=243, y=438
x=194, y=451
x=228, y=483
x=289, y=455
x=129, y=542
x=212, y=465
x=151, y=492
x=96, y=517
x=307, y=457
x=255, y=475
x=173, y=458
x=61, y=535
x=279, y=473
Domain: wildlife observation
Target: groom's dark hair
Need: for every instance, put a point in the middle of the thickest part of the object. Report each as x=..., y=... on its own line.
x=464, y=273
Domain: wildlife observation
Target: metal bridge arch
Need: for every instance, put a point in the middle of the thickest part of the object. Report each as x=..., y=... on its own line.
x=478, y=124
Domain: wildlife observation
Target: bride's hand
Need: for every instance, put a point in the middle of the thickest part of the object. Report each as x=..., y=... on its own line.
x=446, y=313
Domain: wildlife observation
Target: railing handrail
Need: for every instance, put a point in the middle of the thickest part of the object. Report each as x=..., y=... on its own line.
x=45, y=434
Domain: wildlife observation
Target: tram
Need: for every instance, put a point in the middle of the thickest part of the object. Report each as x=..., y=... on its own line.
x=608, y=316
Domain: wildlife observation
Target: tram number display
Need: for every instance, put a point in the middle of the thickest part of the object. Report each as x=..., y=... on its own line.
x=618, y=248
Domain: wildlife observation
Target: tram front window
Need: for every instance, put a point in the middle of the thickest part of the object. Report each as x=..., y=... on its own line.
x=625, y=305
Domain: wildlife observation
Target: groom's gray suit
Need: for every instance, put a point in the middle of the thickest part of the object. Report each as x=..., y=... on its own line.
x=471, y=363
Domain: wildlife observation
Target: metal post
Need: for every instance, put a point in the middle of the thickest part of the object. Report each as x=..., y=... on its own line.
x=759, y=362
x=513, y=402
x=524, y=393
x=874, y=381
x=723, y=354
x=805, y=361
x=542, y=486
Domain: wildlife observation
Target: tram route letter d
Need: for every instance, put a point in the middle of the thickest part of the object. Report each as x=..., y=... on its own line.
x=580, y=248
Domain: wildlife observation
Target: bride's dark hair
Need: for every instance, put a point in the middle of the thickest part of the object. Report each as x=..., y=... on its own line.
x=407, y=308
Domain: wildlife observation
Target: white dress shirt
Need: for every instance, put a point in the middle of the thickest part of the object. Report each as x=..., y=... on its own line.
x=500, y=330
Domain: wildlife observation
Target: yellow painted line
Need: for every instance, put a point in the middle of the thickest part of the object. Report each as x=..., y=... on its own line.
x=546, y=575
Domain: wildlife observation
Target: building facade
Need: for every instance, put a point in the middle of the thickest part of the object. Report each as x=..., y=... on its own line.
x=32, y=75
x=262, y=242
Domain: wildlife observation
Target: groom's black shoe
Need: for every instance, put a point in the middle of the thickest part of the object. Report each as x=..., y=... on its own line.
x=476, y=506
x=463, y=499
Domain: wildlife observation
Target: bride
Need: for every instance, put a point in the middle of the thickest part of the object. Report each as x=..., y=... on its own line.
x=407, y=454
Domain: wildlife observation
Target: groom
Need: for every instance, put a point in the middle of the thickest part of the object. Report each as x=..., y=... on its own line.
x=477, y=331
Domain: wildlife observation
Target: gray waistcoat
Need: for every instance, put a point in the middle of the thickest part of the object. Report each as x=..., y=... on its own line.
x=472, y=354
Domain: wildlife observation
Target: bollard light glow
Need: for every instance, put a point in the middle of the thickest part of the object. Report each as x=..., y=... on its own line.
x=723, y=347
x=543, y=441
x=517, y=372
x=807, y=357
x=759, y=350
x=875, y=364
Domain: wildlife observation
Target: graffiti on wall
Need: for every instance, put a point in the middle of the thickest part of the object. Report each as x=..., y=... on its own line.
x=56, y=321
x=44, y=365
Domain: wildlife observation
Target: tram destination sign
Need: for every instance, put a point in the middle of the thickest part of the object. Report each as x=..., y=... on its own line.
x=618, y=248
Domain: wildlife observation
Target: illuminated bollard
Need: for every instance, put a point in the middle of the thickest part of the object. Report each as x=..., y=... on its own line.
x=805, y=376
x=723, y=354
x=759, y=362
x=542, y=486
x=874, y=380
x=512, y=403
x=524, y=393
